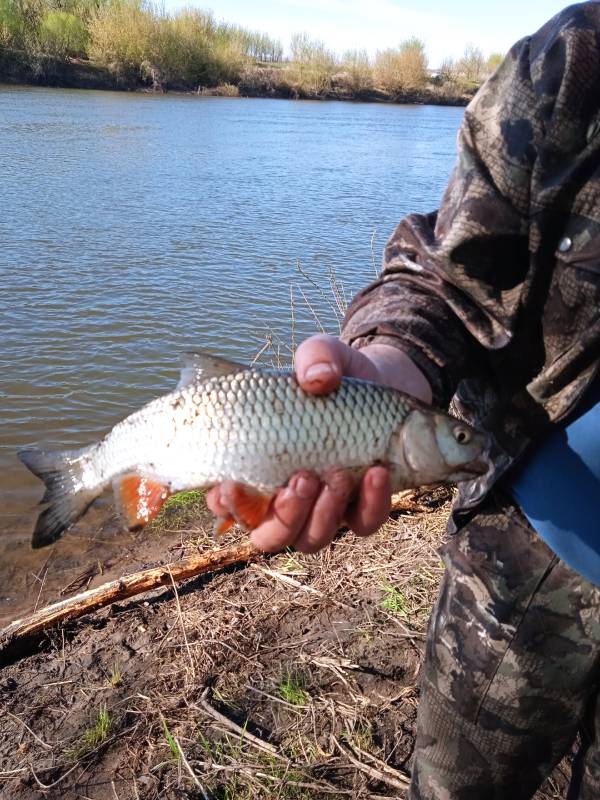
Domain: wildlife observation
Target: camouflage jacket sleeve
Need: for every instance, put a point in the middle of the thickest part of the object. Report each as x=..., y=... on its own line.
x=454, y=281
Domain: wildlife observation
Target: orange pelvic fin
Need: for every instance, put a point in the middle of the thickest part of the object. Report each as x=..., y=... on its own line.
x=244, y=505
x=249, y=506
x=222, y=525
x=139, y=499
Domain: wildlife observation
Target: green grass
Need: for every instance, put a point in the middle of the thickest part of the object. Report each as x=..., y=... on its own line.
x=394, y=600
x=290, y=563
x=93, y=736
x=185, y=500
x=291, y=689
x=361, y=736
x=272, y=779
x=180, y=511
x=173, y=746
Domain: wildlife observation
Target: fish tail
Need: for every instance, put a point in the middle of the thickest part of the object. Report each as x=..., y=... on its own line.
x=71, y=487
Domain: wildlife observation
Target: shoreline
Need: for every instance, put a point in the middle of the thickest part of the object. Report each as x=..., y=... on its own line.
x=21, y=69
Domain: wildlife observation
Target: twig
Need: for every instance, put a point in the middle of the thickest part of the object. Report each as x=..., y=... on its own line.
x=319, y=289
x=338, y=292
x=242, y=732
x=397, y=779
x=311, y=309
x=324, y=788
x=186, y=764
x=375, y=270
x=56, y=782
x=185, y=639
x=377, y=762
x=300, y=586
x=293, y=315
x=44, y=744
x=43, y=573
x=288, y=580
x=266, y=345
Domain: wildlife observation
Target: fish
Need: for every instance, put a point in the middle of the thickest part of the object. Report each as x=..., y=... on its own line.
x=256, y=427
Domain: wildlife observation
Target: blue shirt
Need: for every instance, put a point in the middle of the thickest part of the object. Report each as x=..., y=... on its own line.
x=558, y=488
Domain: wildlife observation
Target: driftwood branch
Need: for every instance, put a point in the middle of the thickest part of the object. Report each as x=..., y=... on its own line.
x=22, y=632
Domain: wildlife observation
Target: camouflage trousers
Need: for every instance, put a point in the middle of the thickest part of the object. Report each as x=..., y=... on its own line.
x=512, y=668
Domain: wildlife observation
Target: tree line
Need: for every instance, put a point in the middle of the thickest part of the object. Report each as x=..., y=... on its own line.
x=191, y=49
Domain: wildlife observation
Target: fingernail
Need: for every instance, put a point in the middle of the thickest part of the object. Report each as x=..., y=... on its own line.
x=321, y=371
x=378, y=479
x=305, y=486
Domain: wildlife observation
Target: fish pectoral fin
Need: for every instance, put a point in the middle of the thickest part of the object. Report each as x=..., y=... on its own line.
x=202, y=366
x=246, y=505
x=139, y=499
x=222, y=525
x=250, y=506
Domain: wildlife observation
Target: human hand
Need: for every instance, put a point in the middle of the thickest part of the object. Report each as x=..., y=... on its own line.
x=306, y=514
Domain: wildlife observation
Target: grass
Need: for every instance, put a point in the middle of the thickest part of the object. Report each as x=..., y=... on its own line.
x=271, y=778
x=291, y=689
x=92, y=736
x=290, y=564
x=181, y=511
x=140, y=43
x=414, y=601
x=173, y=746
x=394, y=600
x=115, y=678
x=185, y=500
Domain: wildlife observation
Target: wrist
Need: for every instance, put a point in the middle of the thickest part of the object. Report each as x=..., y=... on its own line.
x=396, y=369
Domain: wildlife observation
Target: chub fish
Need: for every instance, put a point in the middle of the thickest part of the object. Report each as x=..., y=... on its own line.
x=227, y=421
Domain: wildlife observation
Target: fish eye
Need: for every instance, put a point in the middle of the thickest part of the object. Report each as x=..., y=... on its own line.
x=462, y=435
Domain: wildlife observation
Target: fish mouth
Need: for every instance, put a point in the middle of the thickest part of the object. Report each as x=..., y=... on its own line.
x=478, y=466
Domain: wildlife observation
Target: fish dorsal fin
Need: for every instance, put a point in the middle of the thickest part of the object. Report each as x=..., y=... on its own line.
x=202, y=366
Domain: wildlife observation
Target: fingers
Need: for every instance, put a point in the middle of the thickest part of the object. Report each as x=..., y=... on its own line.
x=289, y=513
x=373, y=503
x=214, y=502
x=327, y=513
x=308, y=514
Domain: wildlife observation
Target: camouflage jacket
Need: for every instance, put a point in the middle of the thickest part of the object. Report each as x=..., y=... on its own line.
x=496, y=296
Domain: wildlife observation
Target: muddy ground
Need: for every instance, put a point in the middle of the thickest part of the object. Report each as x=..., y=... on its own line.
x=293, y=677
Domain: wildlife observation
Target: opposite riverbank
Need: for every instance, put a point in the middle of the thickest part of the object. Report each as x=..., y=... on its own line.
x=266, y=80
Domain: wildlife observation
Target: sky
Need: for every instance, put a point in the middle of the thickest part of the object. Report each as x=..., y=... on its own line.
x=445, y=27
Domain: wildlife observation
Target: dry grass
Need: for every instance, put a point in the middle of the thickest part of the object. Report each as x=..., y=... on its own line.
x=291, y=678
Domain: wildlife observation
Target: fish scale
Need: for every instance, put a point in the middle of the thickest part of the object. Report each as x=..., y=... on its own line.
x=256, y=428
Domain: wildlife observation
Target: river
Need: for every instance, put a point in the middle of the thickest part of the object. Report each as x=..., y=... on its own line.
x=135, y=227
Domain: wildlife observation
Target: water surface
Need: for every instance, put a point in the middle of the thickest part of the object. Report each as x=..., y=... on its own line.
x=134, y=227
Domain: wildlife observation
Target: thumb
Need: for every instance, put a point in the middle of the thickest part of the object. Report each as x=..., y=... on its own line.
x=319, y=364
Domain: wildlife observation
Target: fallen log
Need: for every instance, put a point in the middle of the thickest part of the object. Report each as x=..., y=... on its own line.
x=20, y=633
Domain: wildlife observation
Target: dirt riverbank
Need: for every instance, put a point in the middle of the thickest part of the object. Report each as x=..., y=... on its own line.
x=294, y=677
x=18, y=67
